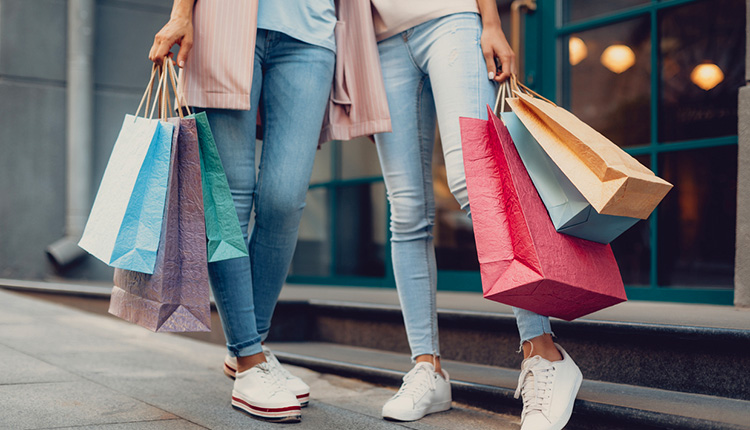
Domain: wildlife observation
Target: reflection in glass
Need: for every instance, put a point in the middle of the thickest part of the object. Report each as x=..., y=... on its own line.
x=453, y=234
x=360, y=230
x=697, y=41
x=633, y=249
x=618, y=58
x=697, y=218
x=322, y=167
x=707, y=76
x=577, y=50
x=575, y=10
x=614, y=101
x=312, y=256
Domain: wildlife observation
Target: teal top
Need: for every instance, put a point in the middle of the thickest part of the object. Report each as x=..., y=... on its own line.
x=311, y=21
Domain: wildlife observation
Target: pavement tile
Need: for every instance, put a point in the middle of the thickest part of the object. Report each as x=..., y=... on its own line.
x=62, y=404
x=20, y=368
x=141, y=425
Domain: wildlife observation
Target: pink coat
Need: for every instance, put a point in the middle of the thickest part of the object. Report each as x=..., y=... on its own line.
x=218, y=72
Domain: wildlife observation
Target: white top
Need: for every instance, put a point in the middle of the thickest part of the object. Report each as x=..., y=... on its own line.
x=394, y=16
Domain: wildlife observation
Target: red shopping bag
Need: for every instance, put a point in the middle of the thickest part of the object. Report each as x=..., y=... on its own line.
x=524, y=262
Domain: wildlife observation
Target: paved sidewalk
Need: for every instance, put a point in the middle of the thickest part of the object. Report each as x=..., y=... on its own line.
x=62, y=368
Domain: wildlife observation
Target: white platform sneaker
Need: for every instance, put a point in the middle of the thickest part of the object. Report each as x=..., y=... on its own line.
x=292, y=383
x=259, y=393
x=549, y=390
x=423, y=392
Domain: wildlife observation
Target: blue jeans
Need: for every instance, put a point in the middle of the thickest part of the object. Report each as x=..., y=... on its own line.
x=292, y=82
x=434, y=70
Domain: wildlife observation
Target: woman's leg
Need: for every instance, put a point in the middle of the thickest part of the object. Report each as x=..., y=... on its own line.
x=406, y=160
x=231, y=280
x=297, y=79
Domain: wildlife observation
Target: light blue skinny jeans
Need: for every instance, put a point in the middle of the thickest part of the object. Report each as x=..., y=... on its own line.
x=434, y=70
x=291, y=82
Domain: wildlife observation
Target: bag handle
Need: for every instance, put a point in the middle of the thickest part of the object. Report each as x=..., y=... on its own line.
x=162, y=77
x=503, y=92
x=147, y=93
x=521, y=88
x=177, y=86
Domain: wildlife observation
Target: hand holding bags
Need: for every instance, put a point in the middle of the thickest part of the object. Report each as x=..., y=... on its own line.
x=524, y=261
x=125, y=222
x=176, y=297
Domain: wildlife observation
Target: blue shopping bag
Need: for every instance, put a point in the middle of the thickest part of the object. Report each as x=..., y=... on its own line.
x=570, y=212
x=124, y=226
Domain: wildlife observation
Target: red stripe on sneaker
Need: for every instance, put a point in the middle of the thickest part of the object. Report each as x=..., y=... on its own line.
x=302, y=396
x=272, y=410
x=229, y=367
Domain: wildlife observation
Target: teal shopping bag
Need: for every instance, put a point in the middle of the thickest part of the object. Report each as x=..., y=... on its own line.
x=570, y=212
x=124, y=226
x=223, y=231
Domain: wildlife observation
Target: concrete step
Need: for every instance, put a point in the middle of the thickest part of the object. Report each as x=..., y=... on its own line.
x=599, y=404
x=683, y=358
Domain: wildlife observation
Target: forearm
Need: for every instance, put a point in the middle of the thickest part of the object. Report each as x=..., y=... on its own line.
x=488, y=11
x=182, y=9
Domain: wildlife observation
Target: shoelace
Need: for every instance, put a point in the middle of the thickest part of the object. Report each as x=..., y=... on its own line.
x=535, y=384
x=417, y=382
x=276, y=368
x=272, y=380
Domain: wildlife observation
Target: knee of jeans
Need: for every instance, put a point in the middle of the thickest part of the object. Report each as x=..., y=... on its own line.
x=410, y=220
x=283, y=211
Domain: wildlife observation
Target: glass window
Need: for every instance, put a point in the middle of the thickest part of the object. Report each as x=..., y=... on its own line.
x=608, y=72
x=322, y=167
x=696, y=234
x=633, y=248
x=312, y=256
x=702, y=47
x=575, y=10
x=360, y=230
x=359, y=159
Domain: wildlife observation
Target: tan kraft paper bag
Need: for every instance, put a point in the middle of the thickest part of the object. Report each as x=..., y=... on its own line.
x=612, y=181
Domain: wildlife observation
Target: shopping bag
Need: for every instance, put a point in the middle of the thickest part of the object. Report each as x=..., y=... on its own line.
x=524, y=262
x=124, y=226
x=225, y=238
x=612, y=181
x=175, y=298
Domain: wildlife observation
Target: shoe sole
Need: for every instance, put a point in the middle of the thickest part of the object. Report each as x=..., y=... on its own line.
x=439, y=407
x=290, y=414
x=303, y=398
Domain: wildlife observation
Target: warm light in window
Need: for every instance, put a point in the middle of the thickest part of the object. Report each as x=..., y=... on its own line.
x=707, y=75
x=577, y=50
x=618, y=58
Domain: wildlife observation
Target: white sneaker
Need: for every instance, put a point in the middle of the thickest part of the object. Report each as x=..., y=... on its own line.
x=259, y=393
x=549, y=390
x=293, y=383
x=423, y=392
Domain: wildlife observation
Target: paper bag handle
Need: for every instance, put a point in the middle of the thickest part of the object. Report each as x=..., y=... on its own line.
x=147, y=93
x=519, y=87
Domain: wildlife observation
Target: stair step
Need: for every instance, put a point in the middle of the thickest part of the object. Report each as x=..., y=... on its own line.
x=599, y=404
x=699, y=360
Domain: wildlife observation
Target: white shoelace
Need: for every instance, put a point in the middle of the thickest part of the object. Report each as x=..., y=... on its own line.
x=272, y=380
x=276, y=368
x=535, y=385
x=418, y=381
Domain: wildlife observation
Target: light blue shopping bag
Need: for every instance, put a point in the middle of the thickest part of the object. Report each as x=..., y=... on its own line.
x=570, y=212
x=124, y=226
